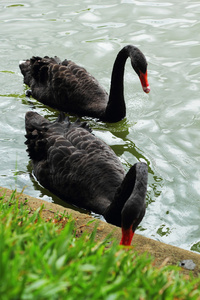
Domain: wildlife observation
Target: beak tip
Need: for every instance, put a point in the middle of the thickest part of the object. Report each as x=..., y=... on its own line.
x=146, y=89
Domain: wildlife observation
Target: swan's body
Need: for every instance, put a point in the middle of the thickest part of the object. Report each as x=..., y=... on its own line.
x=70, y=88
x=81, y=169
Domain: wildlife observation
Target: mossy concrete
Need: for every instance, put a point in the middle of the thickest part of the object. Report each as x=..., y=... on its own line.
x=163, y=253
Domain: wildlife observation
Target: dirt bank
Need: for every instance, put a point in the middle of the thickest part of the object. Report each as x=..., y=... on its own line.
x=163, y=253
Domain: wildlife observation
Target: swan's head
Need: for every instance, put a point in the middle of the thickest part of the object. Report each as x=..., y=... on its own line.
x=139, y=64
x=128, y=207
x=135, y=207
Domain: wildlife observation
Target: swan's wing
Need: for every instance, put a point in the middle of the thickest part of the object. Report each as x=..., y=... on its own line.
x=65, y=85
x=70, y=161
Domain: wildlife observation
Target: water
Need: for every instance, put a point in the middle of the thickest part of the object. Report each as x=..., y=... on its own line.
x=161, y=128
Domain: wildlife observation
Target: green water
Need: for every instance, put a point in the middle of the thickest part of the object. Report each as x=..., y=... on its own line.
x=161, y=128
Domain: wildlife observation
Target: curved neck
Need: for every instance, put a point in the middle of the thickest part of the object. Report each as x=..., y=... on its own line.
x=130, y=197
x=113, y=212
x=116, y=109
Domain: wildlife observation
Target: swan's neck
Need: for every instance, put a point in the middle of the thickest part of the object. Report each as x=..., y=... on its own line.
x=116, y=109
x=128, y=206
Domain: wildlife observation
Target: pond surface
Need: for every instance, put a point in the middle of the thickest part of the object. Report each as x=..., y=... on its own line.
x=161, y=128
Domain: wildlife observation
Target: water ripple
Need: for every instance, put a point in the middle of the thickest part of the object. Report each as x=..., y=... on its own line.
x=161, y=128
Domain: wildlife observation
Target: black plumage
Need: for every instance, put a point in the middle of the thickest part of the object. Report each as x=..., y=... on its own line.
x=70, y=88
x=80, y=168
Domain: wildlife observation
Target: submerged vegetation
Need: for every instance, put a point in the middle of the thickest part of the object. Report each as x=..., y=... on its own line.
x=44, y=260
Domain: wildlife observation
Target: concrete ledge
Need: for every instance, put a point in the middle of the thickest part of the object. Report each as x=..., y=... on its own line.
x=163, y=253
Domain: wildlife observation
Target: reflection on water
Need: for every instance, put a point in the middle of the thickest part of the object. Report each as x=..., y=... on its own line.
x=161, y=128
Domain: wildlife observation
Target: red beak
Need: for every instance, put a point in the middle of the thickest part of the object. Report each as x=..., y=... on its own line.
x=127, y=235
x=144, y=82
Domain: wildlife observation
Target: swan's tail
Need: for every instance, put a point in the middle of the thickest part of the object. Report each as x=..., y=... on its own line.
x=37, y=128
x=35, y=68
x=24, y=66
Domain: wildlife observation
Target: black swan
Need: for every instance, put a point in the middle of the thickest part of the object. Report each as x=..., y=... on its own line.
x=70, y=88
x=81, y=169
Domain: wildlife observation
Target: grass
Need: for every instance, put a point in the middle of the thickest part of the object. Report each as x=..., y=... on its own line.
x=39, y=260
